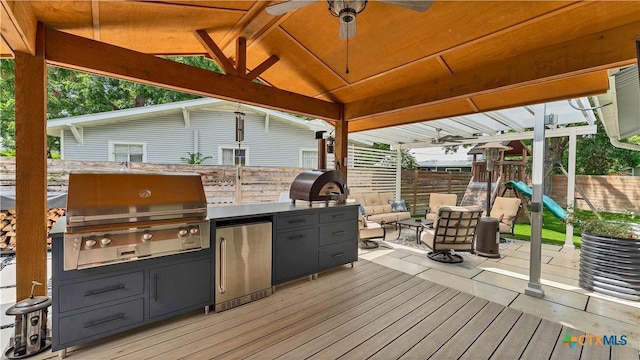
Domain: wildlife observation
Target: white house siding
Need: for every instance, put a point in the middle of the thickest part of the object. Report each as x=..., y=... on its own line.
x=280, y=146
x=167, y=139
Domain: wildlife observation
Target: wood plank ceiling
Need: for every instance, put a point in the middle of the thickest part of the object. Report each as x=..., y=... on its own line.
x=456, y=58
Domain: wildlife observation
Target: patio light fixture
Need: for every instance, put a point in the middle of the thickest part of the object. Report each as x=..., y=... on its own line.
x=491, y=152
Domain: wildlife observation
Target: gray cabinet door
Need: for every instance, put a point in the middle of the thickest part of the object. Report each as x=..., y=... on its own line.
x=181, y=286
x=295, y=254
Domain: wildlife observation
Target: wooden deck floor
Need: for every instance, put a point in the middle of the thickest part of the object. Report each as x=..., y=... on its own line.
x=369, y=311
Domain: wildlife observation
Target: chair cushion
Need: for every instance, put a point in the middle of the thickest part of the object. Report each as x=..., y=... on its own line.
x=507, y=208
x=437, y=200
x=372, y=199
x=386, y=197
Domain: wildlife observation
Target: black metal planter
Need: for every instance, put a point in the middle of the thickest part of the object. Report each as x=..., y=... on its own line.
x=610, y=266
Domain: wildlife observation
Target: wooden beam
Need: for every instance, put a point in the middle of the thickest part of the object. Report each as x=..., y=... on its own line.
x=83, y=54
x=264, y=66
x=214, y=51
x=591, y=53
x=241, y=57
x=18, y=26
x=256, y=10
x=31, y=169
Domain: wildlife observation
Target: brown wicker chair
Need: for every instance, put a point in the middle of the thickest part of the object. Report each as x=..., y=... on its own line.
x=452, y=231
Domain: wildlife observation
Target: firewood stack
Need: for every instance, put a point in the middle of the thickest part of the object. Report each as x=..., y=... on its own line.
x=8, y=227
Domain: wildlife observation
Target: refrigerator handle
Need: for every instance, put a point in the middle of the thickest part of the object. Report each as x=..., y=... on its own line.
x=221, y=263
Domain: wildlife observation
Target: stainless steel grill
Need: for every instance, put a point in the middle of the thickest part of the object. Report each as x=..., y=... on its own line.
x=118, y=217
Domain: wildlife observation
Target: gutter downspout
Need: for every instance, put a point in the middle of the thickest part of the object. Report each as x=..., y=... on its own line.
x=614, y=139
x=623, y=145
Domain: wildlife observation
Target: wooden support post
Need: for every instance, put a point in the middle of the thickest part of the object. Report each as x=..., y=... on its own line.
x=416, y=173
x=31, y=169
x=342, y=146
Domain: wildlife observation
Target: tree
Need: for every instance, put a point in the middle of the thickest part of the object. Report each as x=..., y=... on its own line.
x=408, y=160
x=596, y=156
x=73, y=93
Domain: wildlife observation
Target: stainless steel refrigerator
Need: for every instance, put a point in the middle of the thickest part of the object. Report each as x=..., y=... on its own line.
x=243, y=264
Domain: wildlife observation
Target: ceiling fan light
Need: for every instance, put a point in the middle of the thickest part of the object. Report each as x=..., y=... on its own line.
x=338, y=6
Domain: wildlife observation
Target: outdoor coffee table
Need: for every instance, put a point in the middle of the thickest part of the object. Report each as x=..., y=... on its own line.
x=418, y=224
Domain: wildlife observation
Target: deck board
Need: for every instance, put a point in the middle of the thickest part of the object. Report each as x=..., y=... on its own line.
x=378, y=341
x=461, y=341
x=368, y=311
x=544, y=340
x=518, y=338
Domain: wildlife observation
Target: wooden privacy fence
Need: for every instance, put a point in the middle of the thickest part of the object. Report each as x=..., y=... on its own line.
x=229, y=185
x=223, y=185
x=417, y=186
x=607, y=193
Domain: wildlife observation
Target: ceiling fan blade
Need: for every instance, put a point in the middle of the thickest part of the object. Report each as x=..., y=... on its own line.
x=285, y=7
x=347, y=30
x=415, y=5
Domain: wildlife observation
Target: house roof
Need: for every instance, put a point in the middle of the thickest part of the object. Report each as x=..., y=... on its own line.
x=456, y=58
x=55, y=125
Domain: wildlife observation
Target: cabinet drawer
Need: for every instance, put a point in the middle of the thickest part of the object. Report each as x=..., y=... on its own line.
x=338, y=232
x=91, y=323
x=79, y=295
x=338, y=215
x=295, y=254
x=338, y=254
x=295, y=221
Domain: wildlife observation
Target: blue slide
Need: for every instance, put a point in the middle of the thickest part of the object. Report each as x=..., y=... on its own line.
x=548, y=202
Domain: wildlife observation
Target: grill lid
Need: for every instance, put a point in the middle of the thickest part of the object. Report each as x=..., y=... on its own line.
x=112, y=198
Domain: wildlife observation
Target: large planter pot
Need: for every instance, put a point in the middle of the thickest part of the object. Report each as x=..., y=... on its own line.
x=610, y=266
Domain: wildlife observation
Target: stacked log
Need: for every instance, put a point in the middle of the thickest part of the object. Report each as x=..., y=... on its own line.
x=8, y=230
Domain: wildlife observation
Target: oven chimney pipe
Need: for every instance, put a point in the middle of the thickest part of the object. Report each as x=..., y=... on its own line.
x=322, y=155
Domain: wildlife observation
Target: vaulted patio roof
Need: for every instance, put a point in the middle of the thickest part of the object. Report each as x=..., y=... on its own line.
x=456, y=58
x=405, y=66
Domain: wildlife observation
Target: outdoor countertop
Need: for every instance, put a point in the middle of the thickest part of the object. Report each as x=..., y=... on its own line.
x=233, y=212
x=240, y=211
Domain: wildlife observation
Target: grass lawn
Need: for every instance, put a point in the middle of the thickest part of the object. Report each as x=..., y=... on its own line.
x=553, y=229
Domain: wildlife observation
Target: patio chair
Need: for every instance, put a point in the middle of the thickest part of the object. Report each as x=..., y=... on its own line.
x=368, y=231
x=436, y=200
x=505, y=209
x=453, y=230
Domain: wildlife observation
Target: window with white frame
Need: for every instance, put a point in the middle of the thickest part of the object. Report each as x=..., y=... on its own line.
x=234, y=156
x=127, y=151
x=309, y=158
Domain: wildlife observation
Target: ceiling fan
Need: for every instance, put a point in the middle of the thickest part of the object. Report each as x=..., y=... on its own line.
x=447, y=138
x=346, y=10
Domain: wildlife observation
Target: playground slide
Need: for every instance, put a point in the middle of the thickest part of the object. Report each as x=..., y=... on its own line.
x=548, y=202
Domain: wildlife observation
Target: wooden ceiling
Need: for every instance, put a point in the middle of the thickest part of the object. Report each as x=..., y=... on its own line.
x=456, y=58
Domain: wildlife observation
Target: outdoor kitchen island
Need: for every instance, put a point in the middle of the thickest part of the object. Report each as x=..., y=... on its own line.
x=93, y=303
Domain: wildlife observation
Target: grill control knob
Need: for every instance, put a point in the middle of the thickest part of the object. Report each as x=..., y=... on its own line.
x=194, y=230
x=89, y=244
x=104, y=242
x=146, y=237
x=183, y=232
